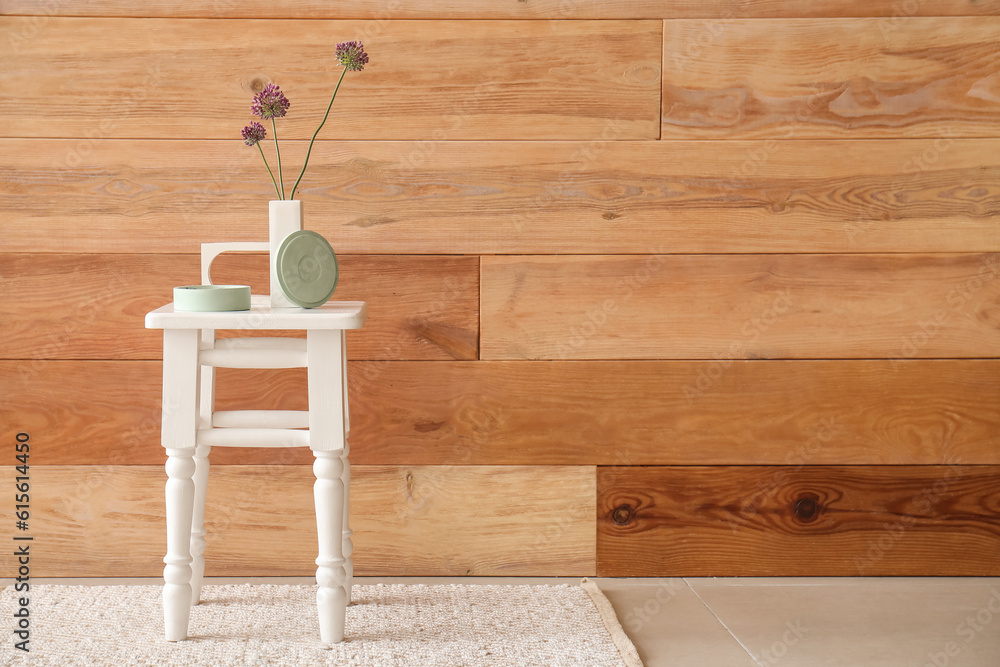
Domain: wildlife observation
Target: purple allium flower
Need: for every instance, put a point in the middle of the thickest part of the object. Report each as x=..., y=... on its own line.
x=254, y=133
x=270, y=103
x=352, y=55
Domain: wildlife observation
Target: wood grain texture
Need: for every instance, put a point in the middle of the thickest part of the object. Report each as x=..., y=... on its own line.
x=729, y=314
x=605, y=196
x=381, y=10
x=741, y=307
x=819, y=521
x=92, y=306
x=143, y=83
x=547, y=413
x=681, y=413
x=419, y=521
x=96, y=413
x=913, y=77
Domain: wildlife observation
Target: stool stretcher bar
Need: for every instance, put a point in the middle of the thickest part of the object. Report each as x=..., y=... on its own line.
x=253, y=358
x=261, y=419
x=253, y=437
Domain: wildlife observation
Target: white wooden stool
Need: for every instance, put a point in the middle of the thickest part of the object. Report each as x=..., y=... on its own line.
x=191, y=427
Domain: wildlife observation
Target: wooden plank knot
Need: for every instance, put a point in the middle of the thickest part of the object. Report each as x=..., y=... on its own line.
x=622, y=514
x=807, y=508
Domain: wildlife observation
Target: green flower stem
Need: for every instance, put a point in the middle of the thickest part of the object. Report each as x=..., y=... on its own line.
x=309, y=151
x=274, y=133
x=276, y=191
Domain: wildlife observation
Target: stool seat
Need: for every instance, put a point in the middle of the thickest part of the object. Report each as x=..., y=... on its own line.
x=191, y=427
x=261, y=316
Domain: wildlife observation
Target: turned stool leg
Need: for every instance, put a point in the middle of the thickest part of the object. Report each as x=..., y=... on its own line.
x=177, y=573
x=348, y=544
x=206, y=407
x=324, y=352
x=178, y=434
x=331, y=598
x=348, y=533
x=198, y=521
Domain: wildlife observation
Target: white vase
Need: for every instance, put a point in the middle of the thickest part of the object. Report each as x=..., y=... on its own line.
x=284, y=217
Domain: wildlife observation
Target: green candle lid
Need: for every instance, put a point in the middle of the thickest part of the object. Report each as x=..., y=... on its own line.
x=307, y=268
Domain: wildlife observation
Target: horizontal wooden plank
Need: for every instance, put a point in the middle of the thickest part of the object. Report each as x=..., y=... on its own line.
x=913, y=77
x=892, y=10
x=488, y=79
x=547, y=413
x=449, y=521
x=780, y=521
x=682, y=413
x=84, y=412
x=64, y=306
x=502, y=197
x=740, y=307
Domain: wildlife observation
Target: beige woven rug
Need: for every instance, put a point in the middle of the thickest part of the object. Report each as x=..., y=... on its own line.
x=455, y=625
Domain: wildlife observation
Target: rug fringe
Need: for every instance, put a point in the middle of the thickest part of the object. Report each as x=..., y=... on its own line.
x=624, y=645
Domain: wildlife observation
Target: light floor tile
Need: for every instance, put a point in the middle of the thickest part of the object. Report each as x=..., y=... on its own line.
x=861, y=622
x=669, y=625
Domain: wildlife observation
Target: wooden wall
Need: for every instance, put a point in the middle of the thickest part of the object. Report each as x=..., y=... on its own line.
x=656, y=287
